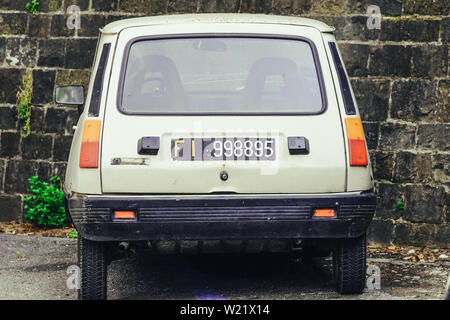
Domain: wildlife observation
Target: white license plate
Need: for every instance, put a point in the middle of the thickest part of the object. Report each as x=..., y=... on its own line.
x=209, y=149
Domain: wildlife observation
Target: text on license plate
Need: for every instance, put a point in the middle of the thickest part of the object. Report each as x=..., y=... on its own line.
x=204, y=149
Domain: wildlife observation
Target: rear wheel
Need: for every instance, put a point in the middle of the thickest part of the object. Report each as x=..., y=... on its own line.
x=92, y=263
x=349, y=264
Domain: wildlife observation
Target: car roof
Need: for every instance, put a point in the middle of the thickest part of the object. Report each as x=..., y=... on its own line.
x=118, y=26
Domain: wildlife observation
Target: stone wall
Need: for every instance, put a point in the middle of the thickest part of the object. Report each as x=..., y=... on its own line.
x=399, y=74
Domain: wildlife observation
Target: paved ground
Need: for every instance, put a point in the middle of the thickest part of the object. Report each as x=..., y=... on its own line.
x=36, y=268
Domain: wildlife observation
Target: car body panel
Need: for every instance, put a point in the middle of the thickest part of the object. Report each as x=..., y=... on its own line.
x=323, y=170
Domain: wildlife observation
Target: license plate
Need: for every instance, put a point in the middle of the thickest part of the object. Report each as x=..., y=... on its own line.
x=209, y=149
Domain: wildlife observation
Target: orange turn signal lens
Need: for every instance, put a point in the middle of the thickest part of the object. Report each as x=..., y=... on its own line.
x=90, y=143
x=324, y=213
x=356, y=142
x=124, y=215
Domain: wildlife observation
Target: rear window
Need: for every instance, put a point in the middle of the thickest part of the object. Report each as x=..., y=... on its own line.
x=220, y=75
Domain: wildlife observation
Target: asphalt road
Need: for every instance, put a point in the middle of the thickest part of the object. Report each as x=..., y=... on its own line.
x=36, y=268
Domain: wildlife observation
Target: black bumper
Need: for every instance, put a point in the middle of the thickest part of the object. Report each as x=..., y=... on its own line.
x=221, y=217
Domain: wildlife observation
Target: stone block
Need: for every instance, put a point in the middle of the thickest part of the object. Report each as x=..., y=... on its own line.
x=329, y=7
x=13, y=23
x=19, y=171
x=55, y=120
x=82, y=4
x=39, y=26
x=434, y=136
x=143, y=7
x=414, y=100
x=380, y=233
x=37, y=123
x=372, y=97
x=388, y=196
x=429, y=61
x=395, y=136
x=21, y=52
x=50, y=5
x=11, y=208
x=37, y=146
x=291, y=7
x=91, y=24
x=80, y=53
x=10, y=82
x=79, y=77
x=441, y=168
x=442, y=111
x=355, y=58
x=371, y=130
x=58, y=26
x=424, y=204
x=8, y=115
x=256, y=6
x=2, y=50
x=62, y=148
x=410, y=29
x=382, y=165
x=43, y=86
x=446, y=29
x=412, y=167
x=106, y=5
x=381, y=63
x=52, y=53
x=9, y=145
x=16, y=5
x=387, y=7
x=426, y=7
x=422, y=234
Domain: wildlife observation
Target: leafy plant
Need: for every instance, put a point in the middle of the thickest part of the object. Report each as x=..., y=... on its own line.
x=400, y=206
x=32, y=6
x=45, y=206
x=73, y=235
x=24, y=102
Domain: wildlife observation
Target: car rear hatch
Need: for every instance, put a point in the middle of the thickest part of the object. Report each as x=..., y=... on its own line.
x=223, y=113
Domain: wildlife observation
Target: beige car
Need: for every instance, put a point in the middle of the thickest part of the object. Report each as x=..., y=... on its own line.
x=218, y=127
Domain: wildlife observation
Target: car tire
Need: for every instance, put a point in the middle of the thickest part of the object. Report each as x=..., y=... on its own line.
x=349, y=265
x=92, y=263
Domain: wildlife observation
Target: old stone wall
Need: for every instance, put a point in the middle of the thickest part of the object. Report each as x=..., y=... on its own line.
x=399, y=74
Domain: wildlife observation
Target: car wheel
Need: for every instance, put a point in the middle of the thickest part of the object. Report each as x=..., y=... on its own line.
x=92, y=263
x=349, y=265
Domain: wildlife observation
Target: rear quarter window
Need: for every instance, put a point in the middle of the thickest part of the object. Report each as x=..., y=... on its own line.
x=221, y=75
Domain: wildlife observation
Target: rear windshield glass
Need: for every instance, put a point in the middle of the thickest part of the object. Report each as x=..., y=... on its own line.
x=220, y=75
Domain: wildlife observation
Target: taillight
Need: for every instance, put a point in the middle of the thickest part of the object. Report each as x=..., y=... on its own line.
x=356, y=142
x=90, y=144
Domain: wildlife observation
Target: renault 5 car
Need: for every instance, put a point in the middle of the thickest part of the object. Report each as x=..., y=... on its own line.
x=218, y=127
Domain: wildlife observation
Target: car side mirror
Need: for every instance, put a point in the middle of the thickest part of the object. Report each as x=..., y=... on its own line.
x=72, y=95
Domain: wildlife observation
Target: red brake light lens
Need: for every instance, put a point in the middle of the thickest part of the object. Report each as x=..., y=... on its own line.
x=356, y=142
x=90, y=143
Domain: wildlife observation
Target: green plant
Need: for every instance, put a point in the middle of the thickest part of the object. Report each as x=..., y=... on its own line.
x=400, y=206
x=45, y=206
x=73, y=235
x=20, y=256
x=24, y=102
x=32, y=6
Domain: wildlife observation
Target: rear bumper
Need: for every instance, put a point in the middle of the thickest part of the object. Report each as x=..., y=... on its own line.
x=196, y=217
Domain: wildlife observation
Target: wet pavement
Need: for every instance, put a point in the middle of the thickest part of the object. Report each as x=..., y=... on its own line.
x=33, y=267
